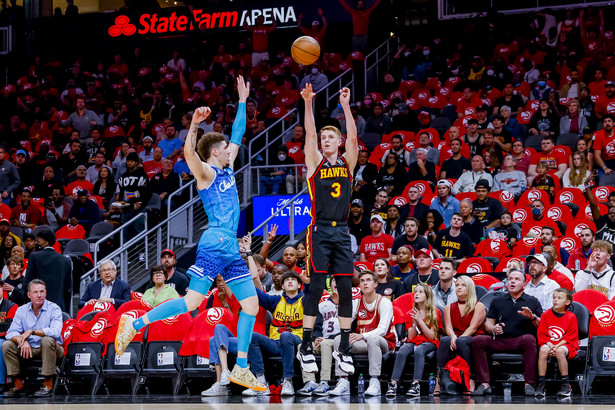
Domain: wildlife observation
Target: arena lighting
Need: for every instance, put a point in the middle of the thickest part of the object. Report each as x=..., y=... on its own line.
x=178, y=22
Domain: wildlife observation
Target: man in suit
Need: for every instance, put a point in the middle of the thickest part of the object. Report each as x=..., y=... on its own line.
x=108, y=288
x=53, y=269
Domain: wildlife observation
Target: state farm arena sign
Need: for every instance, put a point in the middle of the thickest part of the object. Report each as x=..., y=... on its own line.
x=172, y=22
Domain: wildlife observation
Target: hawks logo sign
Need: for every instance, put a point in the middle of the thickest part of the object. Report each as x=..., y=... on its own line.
x=565, y=197
x=605, y=315
x=495, y=246
x=99, y=327
x=554, y=213
x=362, y=314
x=474, y=268
x=602, y=193
x=556, y=333
x=215, y=315
x=101, y=306
x=506, y=196
x=519, y=215
x=184, y=20
x=533, y=195
x=421, y=188
x=530, y=241
x=568, y=244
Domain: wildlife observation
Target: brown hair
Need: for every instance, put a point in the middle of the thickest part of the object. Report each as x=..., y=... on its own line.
x=207, y=142
x=602, y=245
x=368, y=272
x=15, y=259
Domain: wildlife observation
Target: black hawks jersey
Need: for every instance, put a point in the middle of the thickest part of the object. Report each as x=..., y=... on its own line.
x=330, y=191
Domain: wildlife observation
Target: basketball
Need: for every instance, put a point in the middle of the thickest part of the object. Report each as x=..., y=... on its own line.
x=305, y=50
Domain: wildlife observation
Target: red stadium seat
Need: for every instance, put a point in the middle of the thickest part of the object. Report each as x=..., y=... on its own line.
x=559, y=213
x=424, y=188
x=524, y=246
x=562, y=280
x=586, y=213
x=506, y=198
x=173, y=328
x=568, y=242
x=484, y=280
x=398, y=200
x=133, y=305
x=504, y=263
x=578, y=225
x=136, y=295
x=96, y=307
x=435, y=263
x=378, y=153
x=590, y=298
x=520, y=214
x=495, y=248
x=602, y=322
x=398, y=316
x=71, y=232
x=475, y=265
x=5, y=211
x=571, y=196
x=465, y=195
x=404, y=302
x=531, y=195
x=536, y=226
x=601, y=193
x=114, y=131
x=434, y=136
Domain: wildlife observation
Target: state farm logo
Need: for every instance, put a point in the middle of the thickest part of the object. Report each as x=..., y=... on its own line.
x=122, y=26
x=474, y=268
x=556, y=333
x=565, y=197
x=98, y=327
x=554, y=213
x=579, y=228
x=214, y=315
x=602, y=193
x=519, y=215
x=605, y=315
x=506, y=196
x=362, y=314
x=610, y=108
x=568, y=244
x=533, y=195
x=495, y=246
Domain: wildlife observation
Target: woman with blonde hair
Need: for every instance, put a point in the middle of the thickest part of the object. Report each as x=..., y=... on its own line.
x=577, y=174
x=463, y=320
x=424, y=322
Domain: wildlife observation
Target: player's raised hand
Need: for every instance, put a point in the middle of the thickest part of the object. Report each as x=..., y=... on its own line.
x=243, y=88
x=307, y=93
x=345, y=96
x=200, y=114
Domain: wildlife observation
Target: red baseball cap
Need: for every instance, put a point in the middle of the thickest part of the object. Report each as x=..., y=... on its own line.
x=168, y=251
x=424, y=251
x=4, y=220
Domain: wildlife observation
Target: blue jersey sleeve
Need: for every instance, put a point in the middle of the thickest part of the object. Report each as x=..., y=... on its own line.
x=239, y=125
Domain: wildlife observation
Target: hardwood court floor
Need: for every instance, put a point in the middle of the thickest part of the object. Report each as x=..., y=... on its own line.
x=154, y=402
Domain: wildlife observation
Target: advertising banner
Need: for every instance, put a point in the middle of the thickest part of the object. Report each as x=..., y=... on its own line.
x=265, y=206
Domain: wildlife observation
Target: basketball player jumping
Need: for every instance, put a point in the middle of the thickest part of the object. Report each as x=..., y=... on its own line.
x=328, y=239
x=218, y=251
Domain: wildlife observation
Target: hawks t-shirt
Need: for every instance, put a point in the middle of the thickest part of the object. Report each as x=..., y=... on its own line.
x=375, y=248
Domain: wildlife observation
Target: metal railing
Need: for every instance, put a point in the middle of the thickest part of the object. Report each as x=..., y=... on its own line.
x=95, y=248
x=374, y=60
x=462, y=9
x=6, y=40
x=183, y=226
x=260, y=171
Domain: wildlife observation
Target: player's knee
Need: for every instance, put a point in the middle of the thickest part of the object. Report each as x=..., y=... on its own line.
x=193, y=300
x=250, y=305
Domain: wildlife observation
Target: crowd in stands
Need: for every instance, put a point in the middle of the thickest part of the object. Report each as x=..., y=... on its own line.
x=470, y=167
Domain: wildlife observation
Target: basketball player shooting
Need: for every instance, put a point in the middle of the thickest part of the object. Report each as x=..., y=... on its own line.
x=328, y=239
x=218, y=250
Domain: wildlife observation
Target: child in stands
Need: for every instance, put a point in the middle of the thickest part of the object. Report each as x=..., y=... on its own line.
x=558, y=336
x=544, y=181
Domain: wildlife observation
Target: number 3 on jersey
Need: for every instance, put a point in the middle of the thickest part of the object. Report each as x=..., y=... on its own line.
x=336, y=190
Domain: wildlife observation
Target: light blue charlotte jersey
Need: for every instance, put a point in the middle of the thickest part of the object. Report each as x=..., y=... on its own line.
x=221, y=201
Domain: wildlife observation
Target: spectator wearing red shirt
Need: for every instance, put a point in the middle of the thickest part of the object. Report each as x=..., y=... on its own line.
x=26, y=215
x=260, y=40
x=154, y=167
x=317, y=30
x=605, y=104
x=360, y=23
x=604, y=147
x=578, y=257
x=556, y=161
x=80, y=184
x=378, y=244
x=469, y=103
x=558, y=335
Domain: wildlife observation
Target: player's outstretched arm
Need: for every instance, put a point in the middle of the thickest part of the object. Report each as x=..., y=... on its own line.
x=202, y=172
x=239, y=125
x=312, y=156
x=352, y=143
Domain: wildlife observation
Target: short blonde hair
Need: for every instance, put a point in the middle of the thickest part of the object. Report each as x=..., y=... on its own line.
x=331, y=128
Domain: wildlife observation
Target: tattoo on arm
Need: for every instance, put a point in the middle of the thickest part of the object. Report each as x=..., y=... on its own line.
x=193, y=131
